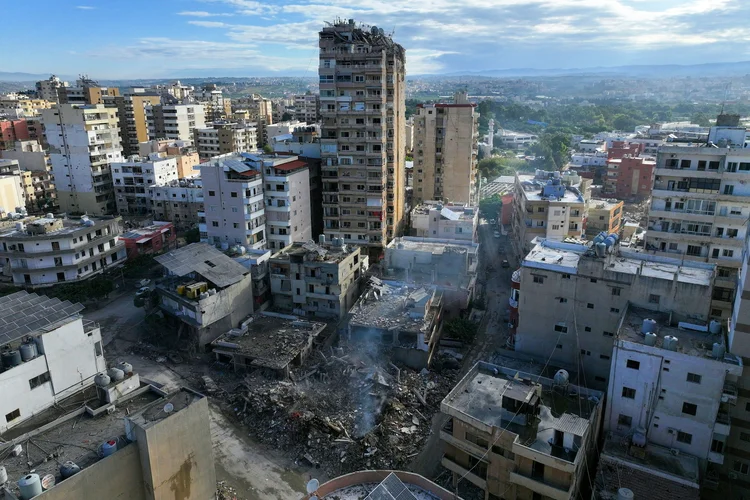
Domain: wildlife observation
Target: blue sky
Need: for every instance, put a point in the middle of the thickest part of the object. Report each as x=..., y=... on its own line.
x=179, y=38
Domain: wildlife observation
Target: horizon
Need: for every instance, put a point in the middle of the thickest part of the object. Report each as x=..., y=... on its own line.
x=245, y=38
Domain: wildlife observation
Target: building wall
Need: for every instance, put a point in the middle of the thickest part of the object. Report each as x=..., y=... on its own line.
x=178, y=205
x=35, y=161
x=12, y=194
x=186, y=164
x=294, y=217
x=433, y=225
x=607, y=218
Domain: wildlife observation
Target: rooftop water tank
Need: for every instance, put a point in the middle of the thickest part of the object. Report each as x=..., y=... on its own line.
x=615, y=236
x=212, y=291
x=11, y=359
x=125, y=367
x=670, y=343
x=625, y=494
x=28, y=352
x=600, y=249
x=50, y=215
x=116, y=374
x=648, y=326
x=650, y=339
x=610, y=241
x=102, y=380
x=322, y=239
x=108, y=448
x=714, y=327
x=718, y=350
x=639, y=437
x=68, y=469
x=20, y=226
x=3, y=475
x=30, y=486
x=561, y=378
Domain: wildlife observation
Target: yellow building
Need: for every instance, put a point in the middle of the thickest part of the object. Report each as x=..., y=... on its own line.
x=604, y=215
x=131, y=110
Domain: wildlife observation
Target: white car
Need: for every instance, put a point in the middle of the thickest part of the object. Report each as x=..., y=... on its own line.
x=496, y=234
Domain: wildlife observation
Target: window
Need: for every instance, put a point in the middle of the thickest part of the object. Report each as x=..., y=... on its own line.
x=587, y=329
x=538, y=279
x=653, y=299
x=98, y=348
x=727, y=253
x=215, y=223
x=233, y=194
x=684, y=437
x=624, y=420
x=694, y=378
x=584, y=352
x=603, y=356
x=628, y=392
x=566, y=276
x=614, y=310
x=633, y=364
x=212, y=193
x=738, y=466
x=717, y=446
x=744, y=436
x=39, y=380
x=473, y=438
x=689, y=408
x=616, y=291
x=610, y=334
x=589, y=305
x=559, y=346
x=563, y=300
x=13, y=415
x=593, y=280
x=729, y=189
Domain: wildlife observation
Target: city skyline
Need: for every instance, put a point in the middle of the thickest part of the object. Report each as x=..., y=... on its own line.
x=182, y=38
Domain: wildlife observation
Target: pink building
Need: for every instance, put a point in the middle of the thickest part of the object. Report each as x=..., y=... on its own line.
x=12, y=131
x=158, y=237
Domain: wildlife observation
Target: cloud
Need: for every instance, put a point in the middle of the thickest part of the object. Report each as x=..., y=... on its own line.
x=202, y=13
x=85, y=7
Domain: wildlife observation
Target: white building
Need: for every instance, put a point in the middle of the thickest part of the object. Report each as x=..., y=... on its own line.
x=178, y=202
x=588, y=159
x=433, y=219
x=83, y=141
x=47, y=352
x=234, y=205
x=225, y=137
x=174, y=121
x=134, y=178
x=46, y=250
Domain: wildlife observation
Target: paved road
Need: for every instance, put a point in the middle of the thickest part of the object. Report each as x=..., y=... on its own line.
x=119, y=318
x=492, y=334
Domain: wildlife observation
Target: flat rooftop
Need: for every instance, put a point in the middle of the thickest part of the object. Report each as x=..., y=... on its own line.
x=203, y=259
x=69, y=227
x=690, y=341
x=270, y=341
x=147, y=232
x=386, y=307
x=481, y=393
x=435, y=246
x=314, y=252
x=603, y=204
x=447, y=211
x=532, y=188
x=656, y=458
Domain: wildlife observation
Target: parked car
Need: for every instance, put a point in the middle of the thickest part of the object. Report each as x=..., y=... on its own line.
x=504, y=263
x=496, y=234
x=144, y=290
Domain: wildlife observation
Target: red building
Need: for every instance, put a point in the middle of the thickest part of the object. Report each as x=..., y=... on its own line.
x=506, y=213
x=620, y=149
x=158, y=237
x=12, y=131
x=629, y=178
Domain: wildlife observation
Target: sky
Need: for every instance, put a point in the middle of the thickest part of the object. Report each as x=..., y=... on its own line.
x=181, y=38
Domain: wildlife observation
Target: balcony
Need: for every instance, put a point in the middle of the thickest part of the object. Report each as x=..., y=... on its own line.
x=722, y=424
x=539, y=485
x=729, y=393
x=449, y=463
x=686, y=173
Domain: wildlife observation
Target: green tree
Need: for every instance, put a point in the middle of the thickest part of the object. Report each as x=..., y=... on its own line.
x=624, y=122
x=193, y=235
x=490, y=207
x=460, y=329
x=267, y=149
x=701, y=119
x=286, y=116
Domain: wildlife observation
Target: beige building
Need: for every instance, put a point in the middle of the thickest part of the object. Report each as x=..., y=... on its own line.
x=445, y=151
x=178, y=202
x=571, y=299
x=131, y=110
x=174, y=121
x=183, y=151
x=22, y=106
x=86, y=92
x=318, y=280
x=549, y=205
x=225, y=137
x=362, y=92
x=604, y=215
x=83, y=141
x=433, y=219
x=48, y=89
x=518, y=435
x=14, y=187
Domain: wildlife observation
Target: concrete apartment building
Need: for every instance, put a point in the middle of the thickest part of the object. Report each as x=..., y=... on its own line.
x=571, y=300
x=133, y=180
x=216, y=106
x=174, y=121
x=520, y=435
x=13, y=186
x=604, y=215
x=699, y=211
x=692, y=374
x=48, y=89
x=287, y=198
x=12, y=131
x=235, y=212
x=46, y=250
x=85, y=92
x=183, y=151
x=317, y=280
x=307, y=107
x=47, y=343
x=549, y=205
x=445, y=151
x=29, y=154
x=131, y=110
x=433, y=219
x=83, y=141
x=629, y=177
x=205, y=293
x=362, y=92
x=149, y=453
x=225, y=137
x=178, y=202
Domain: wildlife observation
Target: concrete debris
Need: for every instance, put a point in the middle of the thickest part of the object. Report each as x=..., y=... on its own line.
x=343, y=412
x=226, y=492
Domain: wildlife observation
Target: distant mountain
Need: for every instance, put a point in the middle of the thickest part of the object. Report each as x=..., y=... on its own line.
x=28, y=77
x=642, y=71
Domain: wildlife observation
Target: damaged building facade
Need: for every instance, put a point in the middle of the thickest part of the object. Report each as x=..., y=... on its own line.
x=320, y=280
x=518, y=435
x=405, y=320
x=453, y=221
x=204, y=291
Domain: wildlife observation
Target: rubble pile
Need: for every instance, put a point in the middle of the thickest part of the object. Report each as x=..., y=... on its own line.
x=345, y=412
x=636, y=212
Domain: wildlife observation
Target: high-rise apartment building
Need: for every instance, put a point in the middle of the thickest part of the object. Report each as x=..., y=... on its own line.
x=174, y=121
x=216, y=106
x=86, y=91
x=699, y=210
x=83, y=141
x=225, y=137
x=362, y=141
x=131, y=110
x=445, y=152
x=307, y=107
x=134, y=179
x=48, y=89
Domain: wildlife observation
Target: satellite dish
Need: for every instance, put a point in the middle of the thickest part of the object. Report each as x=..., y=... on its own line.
x=374, y=30
x=168, y=408
x=312, y=487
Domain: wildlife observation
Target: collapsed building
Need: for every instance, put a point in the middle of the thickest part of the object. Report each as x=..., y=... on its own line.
x=406, y=320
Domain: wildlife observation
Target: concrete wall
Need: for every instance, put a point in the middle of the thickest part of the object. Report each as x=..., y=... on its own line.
x=17, y=395
x=71, y=356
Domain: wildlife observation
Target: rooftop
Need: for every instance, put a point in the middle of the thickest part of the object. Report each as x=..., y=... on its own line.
x=148, y=231
x=381, y=485
x=565, y=257
x=492, y=395
x=435, y=246
x=604, y=204
x=205, y=260
x=44, y=227
x=24, y=313
x=310, y=251
x=270, y=341
x=384, y=306
x=538, y=189
x=447, y=211
x=693, y=339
